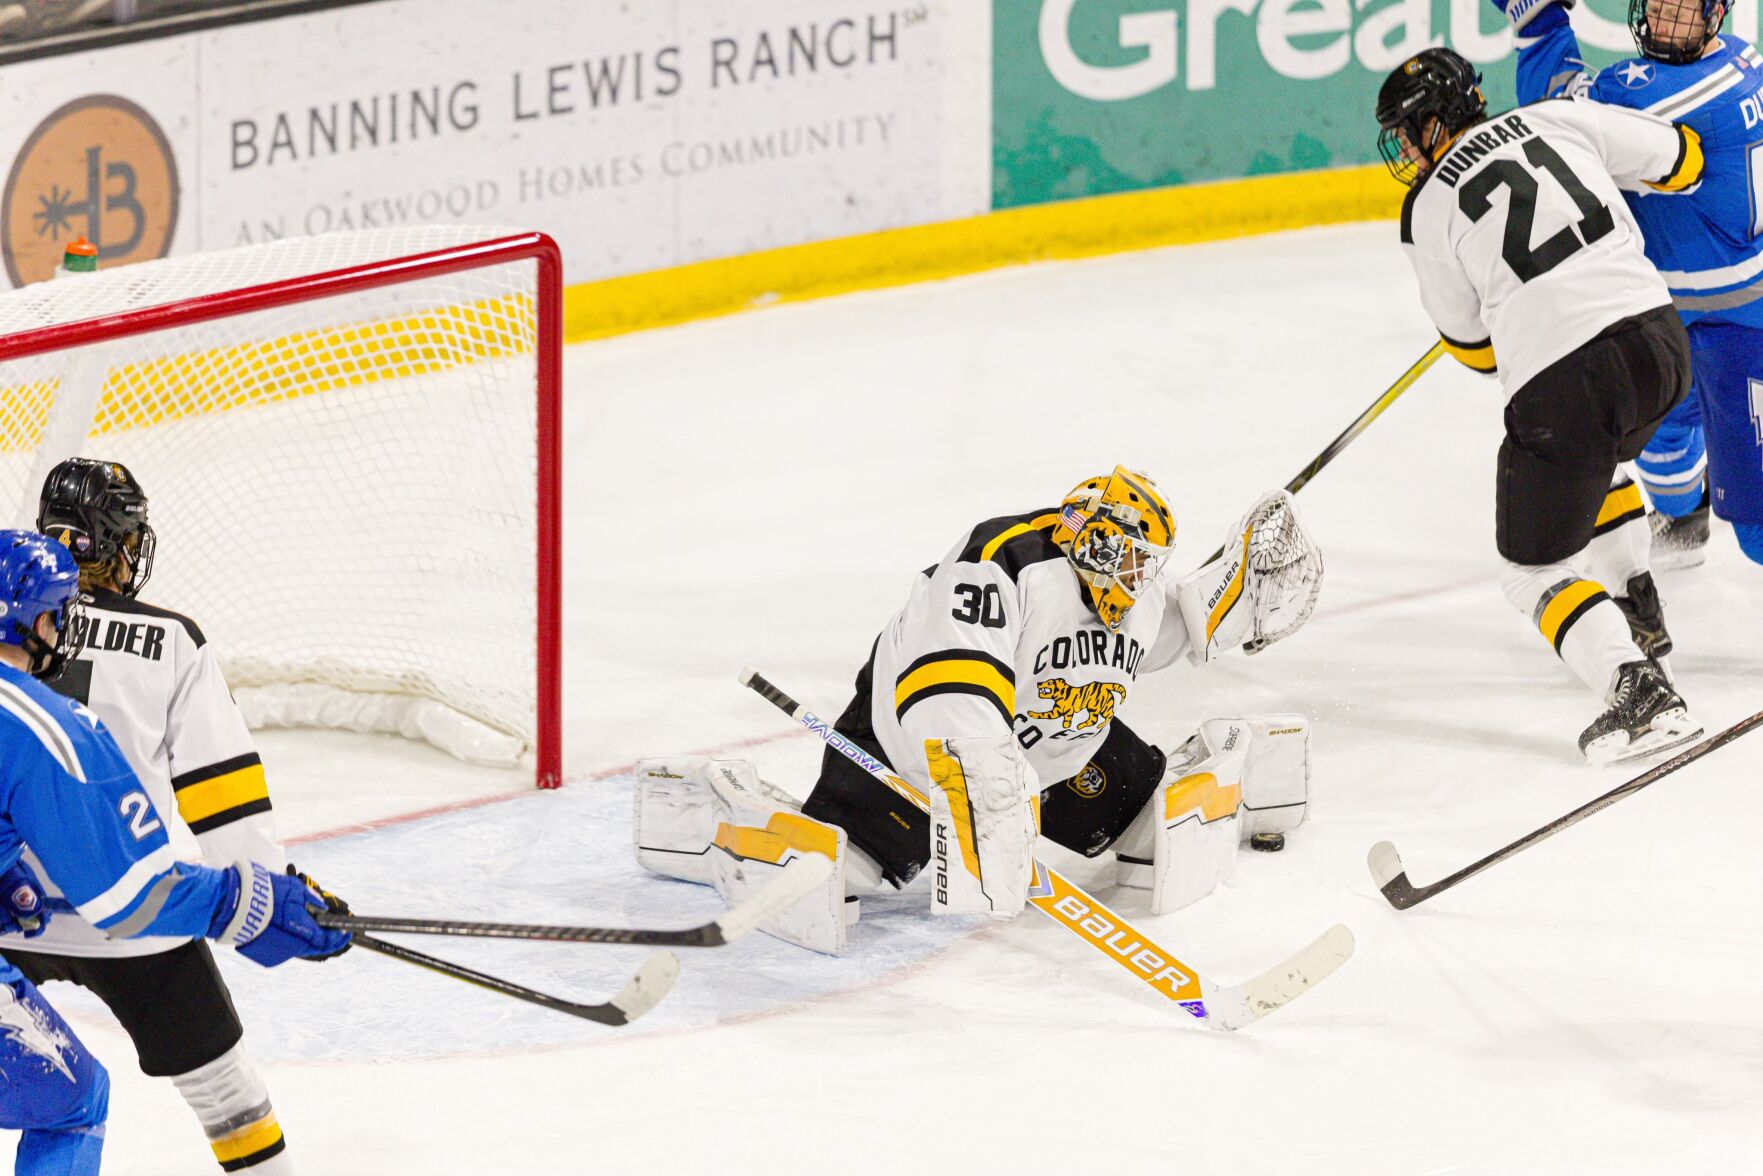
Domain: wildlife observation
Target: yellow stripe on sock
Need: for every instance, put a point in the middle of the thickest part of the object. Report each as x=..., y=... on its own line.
x=248, y=1141
x=1562, y=606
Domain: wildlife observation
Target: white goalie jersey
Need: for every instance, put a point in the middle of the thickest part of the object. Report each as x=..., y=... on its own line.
x=999, y=637
x=1524, y=247
x=153, y=682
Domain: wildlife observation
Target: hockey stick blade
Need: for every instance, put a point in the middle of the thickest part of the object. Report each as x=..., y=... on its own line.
x=794, y=881
x=1392, y=879
x=1075, y=909
x=1391, y=876
x=1277, y=987
x=652, y=981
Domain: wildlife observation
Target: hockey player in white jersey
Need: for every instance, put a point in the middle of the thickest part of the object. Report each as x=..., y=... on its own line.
x=68, y=794
x=1525, y=252
x=995, y=692
x=151, y=677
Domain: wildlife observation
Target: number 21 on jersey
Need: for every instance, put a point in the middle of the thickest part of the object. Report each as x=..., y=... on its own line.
x=1475, y=199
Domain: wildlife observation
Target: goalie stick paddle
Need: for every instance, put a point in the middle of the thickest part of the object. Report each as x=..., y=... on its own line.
x=1392, y=878
x=1359, y=425
x=797, y=879
x=652, y=981
x=1068, y=904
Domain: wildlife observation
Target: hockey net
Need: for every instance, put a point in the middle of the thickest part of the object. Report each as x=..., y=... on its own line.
x=350, y=448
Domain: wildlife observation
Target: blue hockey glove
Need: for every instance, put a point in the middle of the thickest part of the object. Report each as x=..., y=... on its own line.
x=1522, y=12
x=21, y=902
x=332, y=904
x=270, y=919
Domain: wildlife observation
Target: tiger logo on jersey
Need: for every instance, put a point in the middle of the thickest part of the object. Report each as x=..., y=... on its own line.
x=1095, y=700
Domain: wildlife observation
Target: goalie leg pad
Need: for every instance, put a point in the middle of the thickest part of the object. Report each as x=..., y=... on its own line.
x=1184, y=844
x=1090, y=811
x=715, y=822
x=983, y=820
x=1276, y=775
x=676, y=818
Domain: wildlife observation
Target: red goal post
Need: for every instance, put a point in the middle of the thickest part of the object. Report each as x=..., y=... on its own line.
x=352, y=449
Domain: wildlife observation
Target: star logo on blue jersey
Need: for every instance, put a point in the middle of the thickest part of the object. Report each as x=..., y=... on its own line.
x=1635, y=74
x=91, y=718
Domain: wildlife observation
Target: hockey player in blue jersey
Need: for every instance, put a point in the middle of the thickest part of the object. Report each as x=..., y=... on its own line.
x=67, y=793
x=1707, y=245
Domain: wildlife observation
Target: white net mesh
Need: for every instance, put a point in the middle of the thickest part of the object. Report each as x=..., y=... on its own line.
x=344, y=489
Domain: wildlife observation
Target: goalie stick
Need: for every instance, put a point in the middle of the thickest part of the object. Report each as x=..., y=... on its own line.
x=1392, y=878
x=653, y=980
x=793, y=882
x=1359, y=425
x=1066, y=903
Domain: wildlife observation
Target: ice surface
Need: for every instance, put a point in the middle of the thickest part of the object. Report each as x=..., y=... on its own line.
x=760, y=490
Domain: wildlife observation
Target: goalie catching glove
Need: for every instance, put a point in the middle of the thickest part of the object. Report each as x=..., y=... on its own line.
x=1261, y=590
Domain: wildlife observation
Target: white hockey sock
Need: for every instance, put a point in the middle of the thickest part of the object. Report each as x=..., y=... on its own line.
x=232, y=1104
x=1577, y=618
x=1623, y=541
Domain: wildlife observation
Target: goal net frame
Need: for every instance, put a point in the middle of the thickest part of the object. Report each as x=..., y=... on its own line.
x=535, y=247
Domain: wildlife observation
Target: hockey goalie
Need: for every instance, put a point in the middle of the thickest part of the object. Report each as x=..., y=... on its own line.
x=994, y=692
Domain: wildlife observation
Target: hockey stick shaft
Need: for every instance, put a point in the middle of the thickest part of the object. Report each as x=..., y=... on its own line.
x=1359, y=425
x=539, y=932
x=790, y=885
x=1402, y=894
x=644, y=992
x=1054, y=895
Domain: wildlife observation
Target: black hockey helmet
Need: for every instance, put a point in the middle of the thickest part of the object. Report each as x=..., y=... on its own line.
x=99, y=512
x=1671, y=34
x=1422, y=106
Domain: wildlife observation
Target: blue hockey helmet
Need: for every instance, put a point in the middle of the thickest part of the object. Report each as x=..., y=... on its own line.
x=37, y=576
x=1675, y=31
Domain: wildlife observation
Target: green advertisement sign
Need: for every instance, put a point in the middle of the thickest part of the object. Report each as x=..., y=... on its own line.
x=1096, y=96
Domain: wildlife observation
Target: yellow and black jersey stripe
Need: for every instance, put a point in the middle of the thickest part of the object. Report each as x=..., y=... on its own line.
x=1562, y=606
x=1014, y=542
x=1475, y=356
x=1688, y=168
x=1621, y=505
x=222, y=793
x=957, y=671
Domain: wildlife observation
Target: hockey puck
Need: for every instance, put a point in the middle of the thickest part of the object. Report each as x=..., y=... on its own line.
x=1268, y=842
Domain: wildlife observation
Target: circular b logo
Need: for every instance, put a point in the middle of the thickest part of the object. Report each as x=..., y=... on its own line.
x=100, y=166
x=1088, y=783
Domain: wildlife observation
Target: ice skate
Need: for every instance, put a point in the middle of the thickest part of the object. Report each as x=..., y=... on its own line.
x=1646, y=715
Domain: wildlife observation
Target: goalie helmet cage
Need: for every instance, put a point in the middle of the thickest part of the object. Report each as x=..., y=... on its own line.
x=351, y=448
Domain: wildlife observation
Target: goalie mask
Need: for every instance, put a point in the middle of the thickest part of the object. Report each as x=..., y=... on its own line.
x=37, y=576
x=99, y=512
x=1120, y=531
